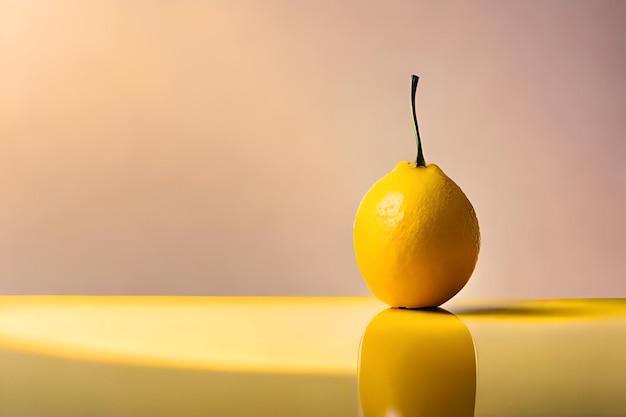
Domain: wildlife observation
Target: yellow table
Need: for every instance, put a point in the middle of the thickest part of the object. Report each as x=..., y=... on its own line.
x=204, y=356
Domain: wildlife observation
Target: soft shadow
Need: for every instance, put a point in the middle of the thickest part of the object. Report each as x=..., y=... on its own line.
x=560, y=309
x=520, y=311
x=417, y=362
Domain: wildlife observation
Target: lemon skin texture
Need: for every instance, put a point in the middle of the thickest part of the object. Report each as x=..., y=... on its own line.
x=416, y=237
x=417, y=363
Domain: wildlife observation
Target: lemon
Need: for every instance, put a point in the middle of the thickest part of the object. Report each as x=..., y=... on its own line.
x=416, y=234
x=417, y=363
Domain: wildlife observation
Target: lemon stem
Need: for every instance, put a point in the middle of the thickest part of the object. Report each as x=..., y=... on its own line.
x=420, y=156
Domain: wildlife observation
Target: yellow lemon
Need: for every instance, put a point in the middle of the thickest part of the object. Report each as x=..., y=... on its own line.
x=417, y=363
x=416, y=235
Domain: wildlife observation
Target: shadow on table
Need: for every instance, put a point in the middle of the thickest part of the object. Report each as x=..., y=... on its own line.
x=549, y=309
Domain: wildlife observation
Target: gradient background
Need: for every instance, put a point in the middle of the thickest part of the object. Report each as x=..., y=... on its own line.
x=222, y=148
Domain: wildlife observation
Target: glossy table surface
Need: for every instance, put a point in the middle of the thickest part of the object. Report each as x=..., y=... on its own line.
x=204, y=356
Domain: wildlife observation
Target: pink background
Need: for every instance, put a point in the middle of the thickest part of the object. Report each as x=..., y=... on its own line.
x=222, y=148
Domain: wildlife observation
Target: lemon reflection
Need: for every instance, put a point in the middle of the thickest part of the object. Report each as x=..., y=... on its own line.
x=417, y=363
